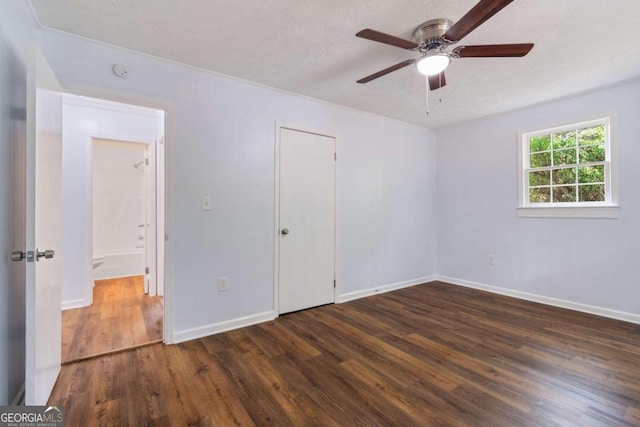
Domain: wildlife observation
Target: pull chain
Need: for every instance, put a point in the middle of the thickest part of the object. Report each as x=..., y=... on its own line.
x=426, y=79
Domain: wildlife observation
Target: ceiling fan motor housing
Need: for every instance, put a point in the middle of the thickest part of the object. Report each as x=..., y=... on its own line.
x=429, y=34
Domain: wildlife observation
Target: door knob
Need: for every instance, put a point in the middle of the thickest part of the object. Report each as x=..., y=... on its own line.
x=48, y=254
x=284, y=231
x=18, y=256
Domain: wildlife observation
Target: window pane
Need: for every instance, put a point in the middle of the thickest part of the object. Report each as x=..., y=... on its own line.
x=540, y=143
x=591, y=136
x=564, y=176
x=564, y=194
x=540, y=160
x=568, y=164
x=591, y=174
x=539, y=178
x=592, y=154
x=591, y=193
x=564, y=157
x=539, y=195
x=564, y=139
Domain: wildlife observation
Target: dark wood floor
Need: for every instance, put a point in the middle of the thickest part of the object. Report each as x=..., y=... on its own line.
x=121, y=316
x=433, y=354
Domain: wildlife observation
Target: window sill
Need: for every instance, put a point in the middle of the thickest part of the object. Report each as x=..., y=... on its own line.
x=607, y=212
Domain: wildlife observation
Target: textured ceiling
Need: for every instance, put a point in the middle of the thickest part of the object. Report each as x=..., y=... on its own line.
x=308, y=47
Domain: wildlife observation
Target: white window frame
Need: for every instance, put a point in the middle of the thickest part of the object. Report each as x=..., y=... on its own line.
x=607, y=209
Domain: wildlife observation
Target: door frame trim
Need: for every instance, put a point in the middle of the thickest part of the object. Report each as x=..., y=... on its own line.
x=169, y=109
x=276, y=218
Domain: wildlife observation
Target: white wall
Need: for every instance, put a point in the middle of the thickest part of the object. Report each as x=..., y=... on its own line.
x=17, y=31
x=119, y=207
x=224, y=134
x=82, y=120
x=585, y=261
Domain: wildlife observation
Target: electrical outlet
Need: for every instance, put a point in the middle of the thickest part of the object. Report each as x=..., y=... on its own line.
x=222, y=284
x=491, y=260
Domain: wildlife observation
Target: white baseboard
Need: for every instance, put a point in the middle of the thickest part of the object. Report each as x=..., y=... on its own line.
x=216, y=328
x=74, y=303
x=385, y=288
x=556, y=302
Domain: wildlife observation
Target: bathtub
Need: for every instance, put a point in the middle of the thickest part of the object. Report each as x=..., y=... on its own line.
x=120, y=265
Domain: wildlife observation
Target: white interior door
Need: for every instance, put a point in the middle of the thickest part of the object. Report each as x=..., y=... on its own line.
x=151, y=239
x=44, y=229
x=13, y=128
x=307, y=220
x=159, y=217
x=146, y=220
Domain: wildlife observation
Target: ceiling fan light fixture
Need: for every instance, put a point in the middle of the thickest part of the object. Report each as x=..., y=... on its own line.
x=433, y=64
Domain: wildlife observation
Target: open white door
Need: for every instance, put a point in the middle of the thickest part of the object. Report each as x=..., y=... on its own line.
x=44, y=235
x=13, y=89
x=159, y=217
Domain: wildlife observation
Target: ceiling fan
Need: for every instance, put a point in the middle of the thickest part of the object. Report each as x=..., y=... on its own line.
x=432, y=38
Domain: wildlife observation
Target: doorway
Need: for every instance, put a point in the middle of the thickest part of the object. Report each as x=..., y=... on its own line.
x=121, y=209
x=118, y=302
x=305, y=238
x=53, y=261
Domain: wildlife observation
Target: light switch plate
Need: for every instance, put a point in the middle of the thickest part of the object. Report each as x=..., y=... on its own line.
x=206, y=203
x=222, y=284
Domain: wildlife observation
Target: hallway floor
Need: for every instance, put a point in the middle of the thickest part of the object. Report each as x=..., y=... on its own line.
x=121, y=316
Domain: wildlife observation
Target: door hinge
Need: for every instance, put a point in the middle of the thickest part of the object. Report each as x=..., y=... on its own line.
x=146, y=270
x=146, y=162
x=334, y=283
x=335, y=156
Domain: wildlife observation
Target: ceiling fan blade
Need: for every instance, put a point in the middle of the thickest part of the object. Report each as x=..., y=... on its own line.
x=482, y=11
x=494, y=50
x=379, y=37
x=437, y=81
x=387, y=71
